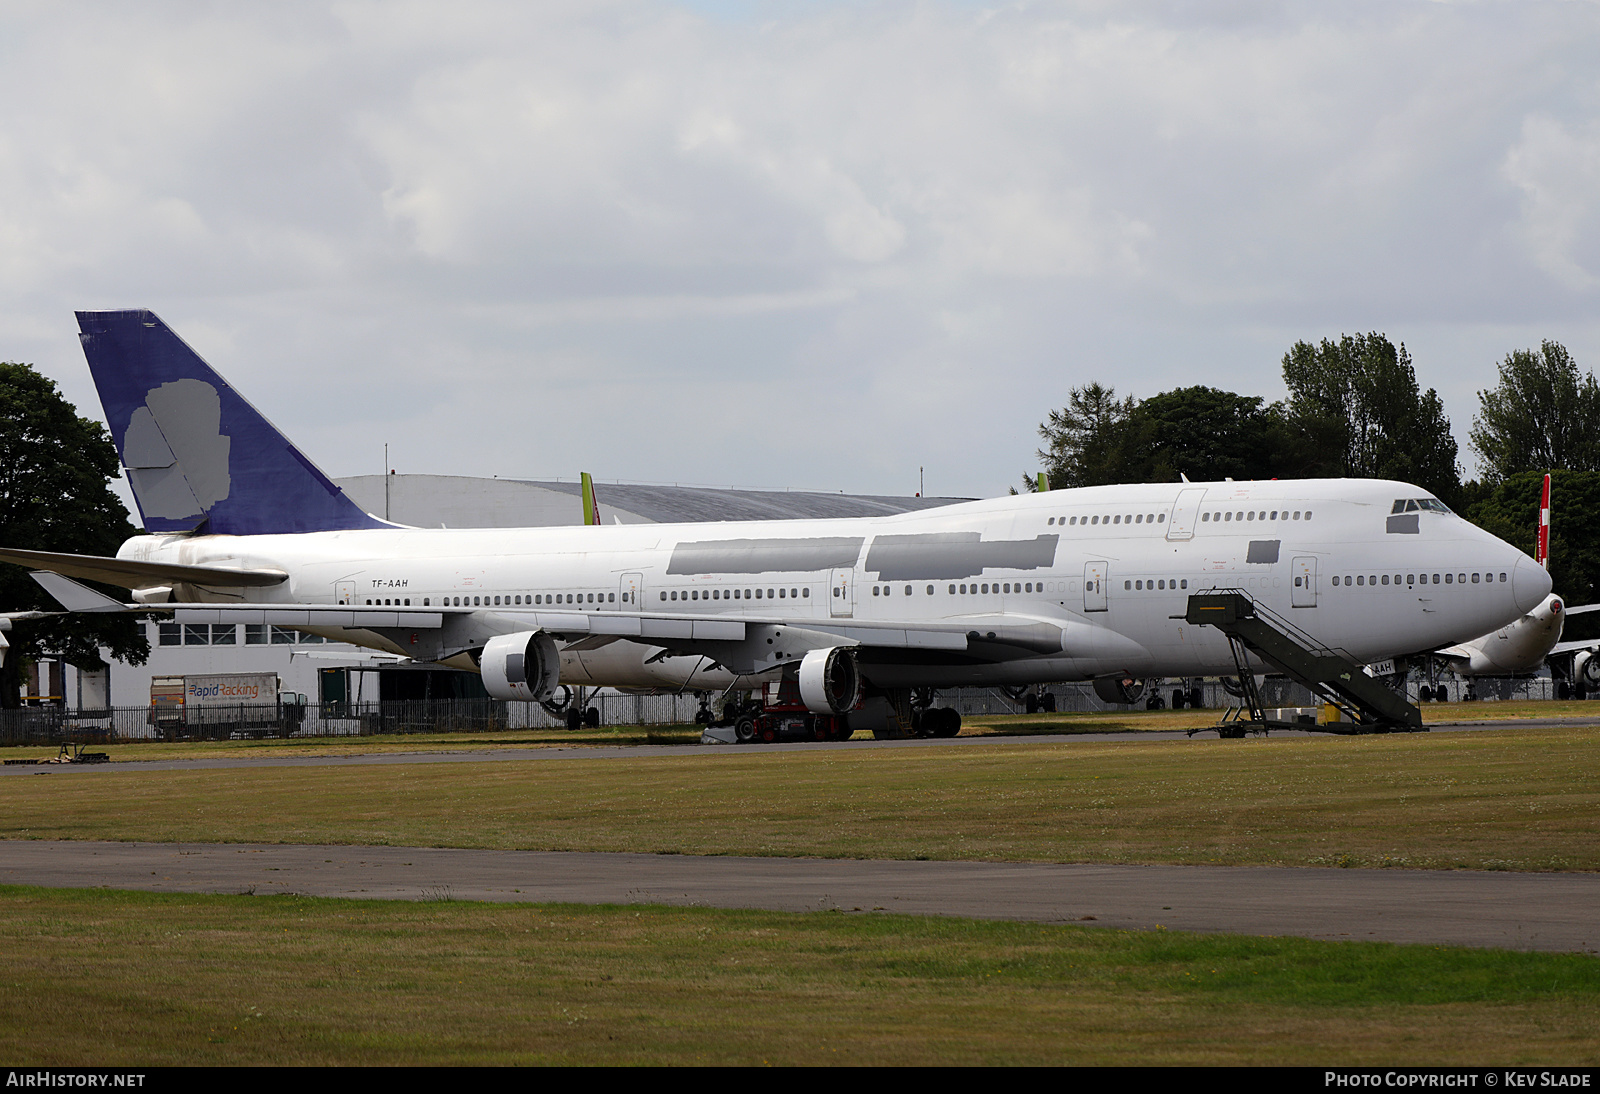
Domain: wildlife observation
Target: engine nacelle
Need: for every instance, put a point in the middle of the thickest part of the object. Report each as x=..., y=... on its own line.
x=1119, y=689
x=1586, y=670
x=830, y=683
x=525, y=665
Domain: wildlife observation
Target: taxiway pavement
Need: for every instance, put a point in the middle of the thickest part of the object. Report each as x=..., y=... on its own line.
x=1555, y=912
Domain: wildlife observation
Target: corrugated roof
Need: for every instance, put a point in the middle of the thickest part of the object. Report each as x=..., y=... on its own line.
x=673, y=504
x=464, y=502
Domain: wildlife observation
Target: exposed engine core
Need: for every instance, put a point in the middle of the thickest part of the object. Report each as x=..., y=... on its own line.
x=1119, y=689
x=830, y=683
x=1586, y=670
x=525, y=665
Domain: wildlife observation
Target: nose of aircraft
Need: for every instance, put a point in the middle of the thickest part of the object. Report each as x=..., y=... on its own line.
x=1530, y=584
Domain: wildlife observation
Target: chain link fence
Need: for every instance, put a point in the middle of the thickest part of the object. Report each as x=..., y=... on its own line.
x=53, y=725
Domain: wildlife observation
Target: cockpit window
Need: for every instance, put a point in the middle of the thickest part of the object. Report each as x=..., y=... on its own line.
x=1411, y=505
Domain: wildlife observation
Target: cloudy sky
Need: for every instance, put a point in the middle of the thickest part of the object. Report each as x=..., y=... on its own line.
x=809, y=245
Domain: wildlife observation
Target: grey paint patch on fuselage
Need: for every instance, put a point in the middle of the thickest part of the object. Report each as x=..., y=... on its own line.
x=756, y=556
x=938, y=556
x=1264, y=551
x=1405, y=525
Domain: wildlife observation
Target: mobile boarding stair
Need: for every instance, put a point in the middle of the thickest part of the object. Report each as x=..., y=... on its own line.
x=1366, y=704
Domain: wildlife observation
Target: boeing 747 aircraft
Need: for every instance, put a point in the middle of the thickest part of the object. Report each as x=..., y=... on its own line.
x=1068, y=585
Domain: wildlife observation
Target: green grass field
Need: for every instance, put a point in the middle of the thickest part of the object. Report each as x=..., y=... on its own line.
x=1525, y=798
x=97, y=978
x=100, y=977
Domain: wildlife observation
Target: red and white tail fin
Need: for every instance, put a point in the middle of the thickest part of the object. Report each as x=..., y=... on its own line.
x=1541, y=549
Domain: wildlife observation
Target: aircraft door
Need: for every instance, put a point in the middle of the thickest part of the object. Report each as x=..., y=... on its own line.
x=629, y=592
x=344, y=592
x=839, y=599
x=1305, y=583
x=1185, y=511
x=1094, y=587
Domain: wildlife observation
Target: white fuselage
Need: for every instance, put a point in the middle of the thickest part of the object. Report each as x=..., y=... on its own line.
x=1520, y=646
x=1111, y=567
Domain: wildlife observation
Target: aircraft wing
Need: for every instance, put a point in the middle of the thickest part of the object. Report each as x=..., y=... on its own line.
x=657, y=629
x=129, y=573
x=996, y=636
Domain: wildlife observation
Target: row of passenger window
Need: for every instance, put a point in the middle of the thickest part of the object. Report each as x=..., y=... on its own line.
x=1143, y=585
x=553, y=599
x=1205, y=518
x=738, y=594
x=1256, y=514
x=518, y=600
x=1417, y=579
x=1130, y=518
x=967, y=590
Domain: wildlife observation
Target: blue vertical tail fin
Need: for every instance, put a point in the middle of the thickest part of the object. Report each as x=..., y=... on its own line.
x=199, y=457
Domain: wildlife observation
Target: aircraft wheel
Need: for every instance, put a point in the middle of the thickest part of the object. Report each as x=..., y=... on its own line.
x=1031, y=703
x=948, y=723
x=744, y=730
x=1048, y=701
x=1178, y=698
x=591, y=718
x=574, y=719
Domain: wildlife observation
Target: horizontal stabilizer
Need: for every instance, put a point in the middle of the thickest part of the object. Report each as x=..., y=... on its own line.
x=74, y=597
x=129, y=573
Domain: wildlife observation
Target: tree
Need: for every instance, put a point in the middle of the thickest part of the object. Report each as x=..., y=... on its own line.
x=55, y=471
x=1084, y=440
x=1208, y=435
x=1200, y=432
x=1541, y=417
x=1356, y=400
x=1511, y=511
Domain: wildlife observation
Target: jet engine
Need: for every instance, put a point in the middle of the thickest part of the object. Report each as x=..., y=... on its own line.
x=1586, y=670
x=1119, y=689
x=525, y=665
x=830, y=683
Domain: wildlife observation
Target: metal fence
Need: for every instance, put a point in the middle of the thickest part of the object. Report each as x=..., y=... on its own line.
x=52, y=725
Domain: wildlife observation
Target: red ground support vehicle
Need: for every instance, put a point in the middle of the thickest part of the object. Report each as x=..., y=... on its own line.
x=782, y=716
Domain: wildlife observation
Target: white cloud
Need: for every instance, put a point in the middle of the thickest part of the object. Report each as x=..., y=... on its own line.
x=627, y=234
x=1557, y=168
